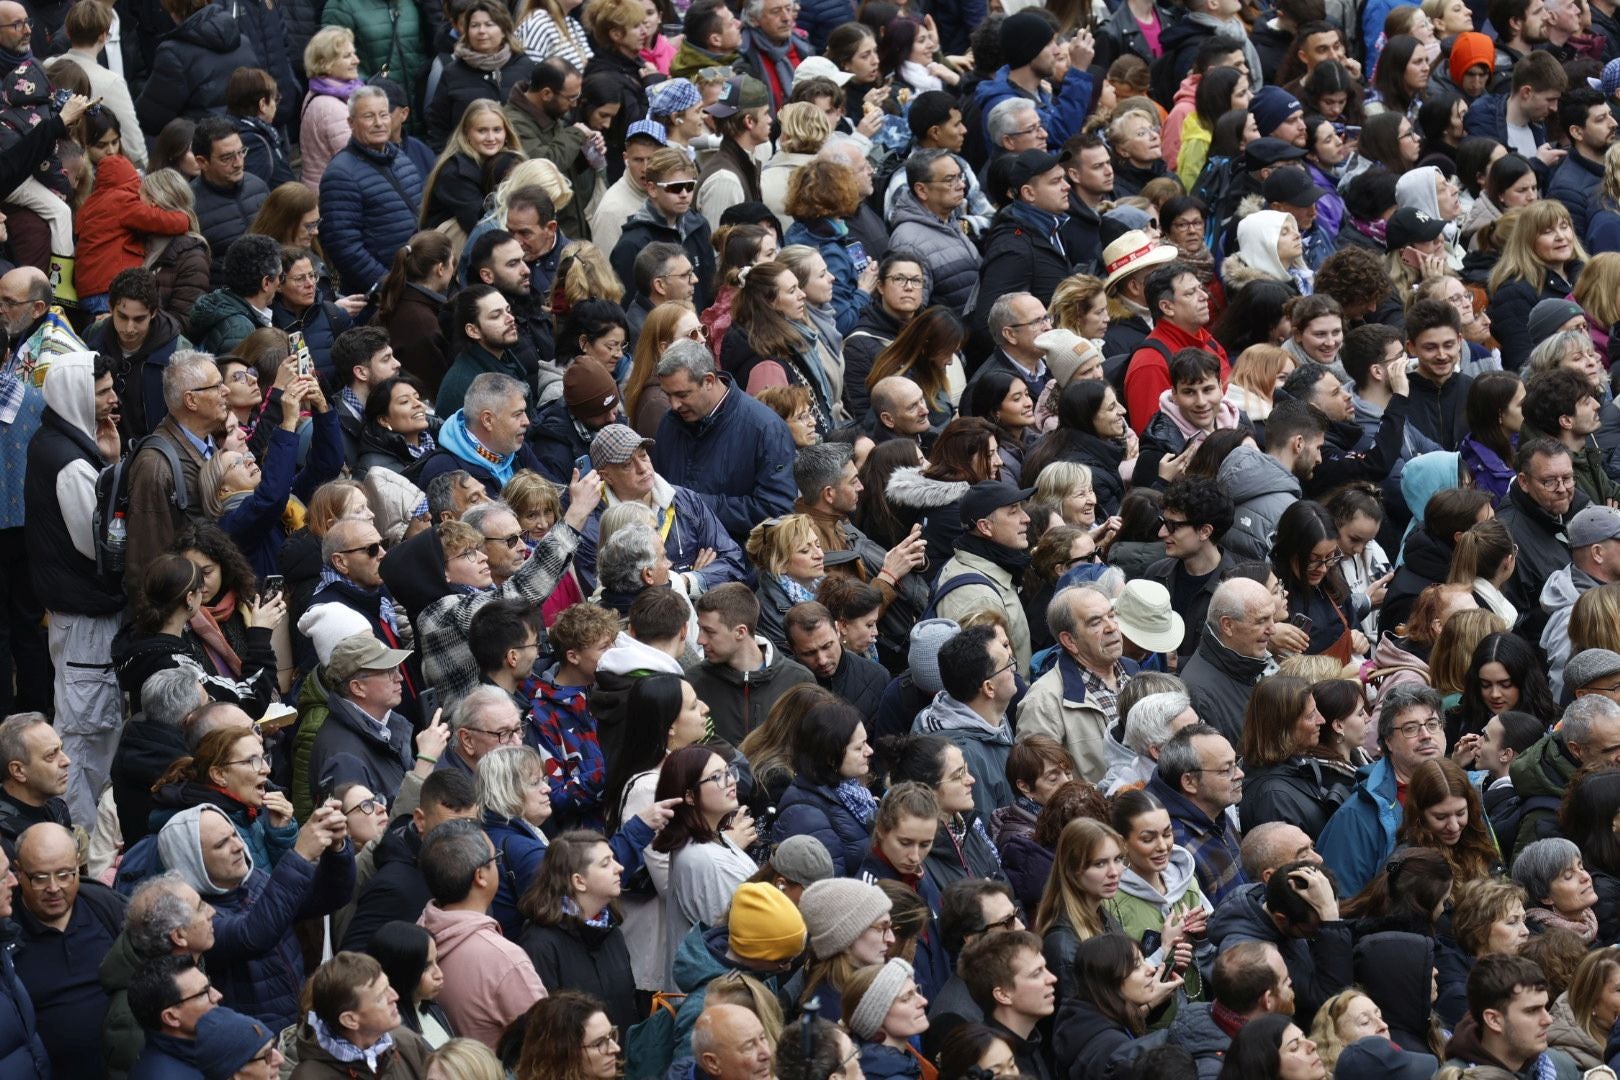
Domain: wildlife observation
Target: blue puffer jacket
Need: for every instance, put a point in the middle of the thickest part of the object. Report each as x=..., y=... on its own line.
x=254, y=521
x=320, y=324
x=192, y=64
x=22, y=1054
x=818, y=18
x=832, y=238
x=255, y=961
x=265, y=844
x=695, y=527
x=739, y=458
x=265, y=30
x=363, y=218
x=808, y=809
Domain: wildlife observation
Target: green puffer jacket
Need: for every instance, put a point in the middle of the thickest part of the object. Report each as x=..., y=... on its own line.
x=312, y=713
x=387, y=34
x=122, y=1039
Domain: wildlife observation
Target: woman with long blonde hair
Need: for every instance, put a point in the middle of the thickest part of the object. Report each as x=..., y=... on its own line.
x=1087, y=866
x=645, y=402
x=1256, y=376
x=183, y=264
x=1584, y=1013
x=1597, y=290
x=455, y=189
x=1541, y=258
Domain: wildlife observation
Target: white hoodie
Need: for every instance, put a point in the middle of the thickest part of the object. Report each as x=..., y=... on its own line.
x=70, y=392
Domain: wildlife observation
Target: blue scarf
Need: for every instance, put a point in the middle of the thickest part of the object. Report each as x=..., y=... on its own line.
x=455, y=437
x=853, y=796
x=1039, y=220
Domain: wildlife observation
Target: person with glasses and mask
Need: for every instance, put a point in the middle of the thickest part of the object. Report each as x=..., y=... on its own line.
x=1361, y=834
x=670, y=184
x=363, y=739
x=66, y=929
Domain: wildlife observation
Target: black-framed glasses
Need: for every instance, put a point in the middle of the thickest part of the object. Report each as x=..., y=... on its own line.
x=1009, y=923
x=906, y=281
x=1172, y=526
x=368, y=806
x=1224, y=772
x=504, y=735
x=496, y=857
x=205, y=389
x=1325, y=564
x=208, y=988
x=25, y=21
x=372, y=549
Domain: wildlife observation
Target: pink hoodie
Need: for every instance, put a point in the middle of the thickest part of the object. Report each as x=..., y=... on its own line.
x=1181, y=108
x=488, y=981
x=1226, y=415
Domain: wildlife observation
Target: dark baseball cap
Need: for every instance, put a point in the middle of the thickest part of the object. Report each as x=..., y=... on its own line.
x=1411, y=226
x=988, y=496
x=1269, y=151
x=1292, y=186
x=1028, y=164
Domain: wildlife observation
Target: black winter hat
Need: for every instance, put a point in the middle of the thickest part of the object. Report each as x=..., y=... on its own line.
x=1023, y=36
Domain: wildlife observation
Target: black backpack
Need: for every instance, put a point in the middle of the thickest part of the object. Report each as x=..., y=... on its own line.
x=112, y=504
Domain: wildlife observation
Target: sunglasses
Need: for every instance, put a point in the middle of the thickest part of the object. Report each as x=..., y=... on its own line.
x=372, y=549
x=677, y=187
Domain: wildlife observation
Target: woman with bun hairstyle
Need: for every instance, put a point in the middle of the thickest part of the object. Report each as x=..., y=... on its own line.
x=1158, y=893
x=961, y=847
x=409, y=303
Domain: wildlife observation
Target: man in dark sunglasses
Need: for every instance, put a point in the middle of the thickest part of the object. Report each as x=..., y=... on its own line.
x=667, y=217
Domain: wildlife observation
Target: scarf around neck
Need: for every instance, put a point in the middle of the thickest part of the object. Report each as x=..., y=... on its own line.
x=455, y=437
x=485, y=62
x=855, y=797
x=1585, y=928
x=320, y=84
x=344, y=1050
x=205, y=624
x=1014, y=562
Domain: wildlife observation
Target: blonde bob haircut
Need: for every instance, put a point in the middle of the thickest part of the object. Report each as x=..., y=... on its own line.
x=504, y=774
x=1072, y=299
x=1061, y=479
x=325, y=47
x=773, y=542
x=804, y=128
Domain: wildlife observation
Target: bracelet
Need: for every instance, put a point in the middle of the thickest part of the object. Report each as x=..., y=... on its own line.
x=429, y=760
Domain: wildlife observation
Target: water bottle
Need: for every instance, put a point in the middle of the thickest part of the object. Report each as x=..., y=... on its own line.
x=117, y=533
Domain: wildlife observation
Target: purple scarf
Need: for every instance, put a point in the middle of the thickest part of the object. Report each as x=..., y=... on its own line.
x=320, y=84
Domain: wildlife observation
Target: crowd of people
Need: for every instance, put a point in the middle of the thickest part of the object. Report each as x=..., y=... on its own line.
x=776, y=541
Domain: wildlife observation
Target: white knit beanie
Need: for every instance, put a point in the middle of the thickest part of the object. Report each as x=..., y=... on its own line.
x=867, y=1019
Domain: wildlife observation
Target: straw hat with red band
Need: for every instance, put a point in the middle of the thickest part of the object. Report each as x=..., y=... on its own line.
x=1132, y=252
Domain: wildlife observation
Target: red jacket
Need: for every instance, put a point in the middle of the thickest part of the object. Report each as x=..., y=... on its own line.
x=113, y=224
x=1148, y=374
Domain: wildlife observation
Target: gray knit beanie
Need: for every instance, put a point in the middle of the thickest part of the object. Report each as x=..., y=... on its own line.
x=837, y=911
x=927, y=638
x=867, y=1020
x=803, y=860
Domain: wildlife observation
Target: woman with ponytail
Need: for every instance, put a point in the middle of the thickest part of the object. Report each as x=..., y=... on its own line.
x=1485, y=559
x=409, y=302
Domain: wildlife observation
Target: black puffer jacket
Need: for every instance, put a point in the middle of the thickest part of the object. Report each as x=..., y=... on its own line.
x=592, y=959
x=145, y=751
x=1302, y=790
x=226, y=213
x=626, y=75
x=1393, y=968
x=461, y=84
x=193, y=63
x=264, y=26
x=395, y=891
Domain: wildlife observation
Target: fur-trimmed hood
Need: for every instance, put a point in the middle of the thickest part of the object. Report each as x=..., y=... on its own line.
x=909, y=487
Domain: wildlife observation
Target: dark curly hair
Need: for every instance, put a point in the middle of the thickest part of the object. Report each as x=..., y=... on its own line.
x=235, y=574
x=1202, y=502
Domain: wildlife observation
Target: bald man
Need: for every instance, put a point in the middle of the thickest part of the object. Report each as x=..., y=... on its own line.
x=1273, y=844
x=729, y=1043
x=899, y=409
x=35, y=336
x=67, y=927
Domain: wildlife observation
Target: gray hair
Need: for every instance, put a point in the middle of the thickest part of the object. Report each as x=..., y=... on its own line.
x=478, y=513
x=692, y=357
x=629, y=551
x=920, y=165
x=1000, y=122
x=1148, y=724
x=838, y=150
x=819, y=466
x=1550, y=353
x=751, y=12
x=1232, y=598
x=13, y=730
x=451, y=856
x=504, y=776
x=168, y=696
x=1400, y=698
x=1538, y=865
x=441, y=492
x=183, y=367
x=1001, y=312
x=156, y=911
x=1582, y=716
x=490, y=392
x=362, y=94
x=1178, y=756
x=1060, y=617
x=471, y=707
x=618, y=516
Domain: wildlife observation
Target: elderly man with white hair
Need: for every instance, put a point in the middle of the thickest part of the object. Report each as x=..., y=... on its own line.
x=1148, y=727
x=371, y=196
x=1231, y=655
x=163, y=500
x=866, y=224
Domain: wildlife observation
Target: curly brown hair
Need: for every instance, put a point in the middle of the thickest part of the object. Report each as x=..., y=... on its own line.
x=1076, y=799
x=822, y=189
x=1354, y=276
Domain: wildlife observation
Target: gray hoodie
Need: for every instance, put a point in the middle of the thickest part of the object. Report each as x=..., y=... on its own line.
x=180, y=846
x=1261, y=488
x=983, y=747
x=70, y=392
x=1558, y=597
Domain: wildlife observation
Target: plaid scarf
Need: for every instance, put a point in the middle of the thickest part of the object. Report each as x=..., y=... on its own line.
x=385, y=604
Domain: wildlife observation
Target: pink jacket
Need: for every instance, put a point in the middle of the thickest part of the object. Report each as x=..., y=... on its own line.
x=323, y=131
x=488, y=981
x=1181, y=108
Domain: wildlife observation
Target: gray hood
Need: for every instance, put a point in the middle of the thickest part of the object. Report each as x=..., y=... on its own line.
x=945, y=713
x=180, y=846
x=1178, y=878
x=1248, y=474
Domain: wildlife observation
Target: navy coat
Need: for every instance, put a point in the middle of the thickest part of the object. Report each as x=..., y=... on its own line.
x=807, y=809
x=22, y=1054
x=364, y=218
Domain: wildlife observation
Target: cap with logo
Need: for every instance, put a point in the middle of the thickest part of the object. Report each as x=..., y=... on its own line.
x=589, y=389
x=742, y=93
x=1409, y=226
